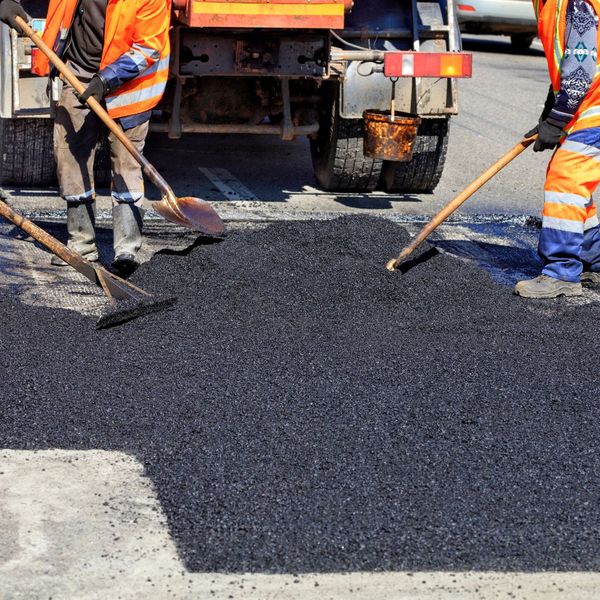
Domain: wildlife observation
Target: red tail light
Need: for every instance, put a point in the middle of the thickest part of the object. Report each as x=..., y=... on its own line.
x=428, y=64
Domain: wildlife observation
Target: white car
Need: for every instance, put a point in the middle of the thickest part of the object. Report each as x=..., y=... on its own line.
x=515, y=18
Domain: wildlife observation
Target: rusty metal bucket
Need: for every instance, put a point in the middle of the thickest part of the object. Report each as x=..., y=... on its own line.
x=390, y=138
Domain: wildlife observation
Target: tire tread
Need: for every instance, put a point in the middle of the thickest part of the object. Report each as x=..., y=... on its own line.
x=26, y=156
x=424, y=171
x=339, y=162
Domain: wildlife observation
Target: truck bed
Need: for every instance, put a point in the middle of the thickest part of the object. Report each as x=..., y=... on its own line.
x=280, y=14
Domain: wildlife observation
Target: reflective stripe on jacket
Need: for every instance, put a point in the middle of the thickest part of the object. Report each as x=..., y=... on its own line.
x=552, y=18
x=135, y=57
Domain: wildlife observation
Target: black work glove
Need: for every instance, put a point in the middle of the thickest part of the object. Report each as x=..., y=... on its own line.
x=9, y=9
x=96, y=89
x=549, y=133
x=548, y=106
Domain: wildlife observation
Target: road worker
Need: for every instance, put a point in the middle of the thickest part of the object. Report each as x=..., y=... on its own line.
x=569, y=243
x=120, y=50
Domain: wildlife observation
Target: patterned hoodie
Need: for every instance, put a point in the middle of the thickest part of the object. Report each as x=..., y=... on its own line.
x=578, y=67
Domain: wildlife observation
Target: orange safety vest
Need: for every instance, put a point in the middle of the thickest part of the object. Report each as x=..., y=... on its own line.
x=140, y=27
x=552, y=21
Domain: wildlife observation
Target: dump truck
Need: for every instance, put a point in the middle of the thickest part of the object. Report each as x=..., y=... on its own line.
x=286, y=68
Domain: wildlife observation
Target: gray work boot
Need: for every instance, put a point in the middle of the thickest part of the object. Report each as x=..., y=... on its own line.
x=547, y=287
x=127, y=237
x=590, y=277
x=81, y=226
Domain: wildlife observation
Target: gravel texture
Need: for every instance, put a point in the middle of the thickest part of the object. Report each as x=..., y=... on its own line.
x=302, y=409
x=123, y=311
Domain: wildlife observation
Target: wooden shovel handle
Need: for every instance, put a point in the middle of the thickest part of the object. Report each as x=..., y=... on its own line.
x=62, y=68
x=45, y=239
x=459, y=200
x=113, y=286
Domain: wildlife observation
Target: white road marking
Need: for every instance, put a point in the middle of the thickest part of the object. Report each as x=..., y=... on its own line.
x=231, y=187
x=308, y=190
x=88, y=525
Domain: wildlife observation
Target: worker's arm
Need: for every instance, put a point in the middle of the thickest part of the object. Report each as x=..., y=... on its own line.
x=10, y=10
x=578, y=69
x=150, y=37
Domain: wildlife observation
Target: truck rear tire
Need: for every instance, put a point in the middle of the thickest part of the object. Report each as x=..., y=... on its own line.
x=338, y=159
x=423, y=172
x=26, y=156
x=521, y=42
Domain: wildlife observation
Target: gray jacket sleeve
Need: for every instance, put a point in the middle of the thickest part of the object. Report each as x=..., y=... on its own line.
x=578, y=67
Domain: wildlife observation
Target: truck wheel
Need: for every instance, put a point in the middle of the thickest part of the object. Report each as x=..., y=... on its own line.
x=521, y=43
x=337, y=154
x=26, y=156
x=423, y=172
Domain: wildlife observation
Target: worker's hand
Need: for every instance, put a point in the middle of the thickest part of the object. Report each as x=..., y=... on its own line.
x=549, y=131
x=9, y=10
x=532, y=132
x=96, y=89
x=548, y=106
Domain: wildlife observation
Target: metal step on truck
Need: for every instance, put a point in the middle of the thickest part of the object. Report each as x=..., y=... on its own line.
x=327, y=69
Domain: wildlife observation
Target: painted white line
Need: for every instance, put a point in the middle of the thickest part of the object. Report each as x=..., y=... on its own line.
x=231, y=187
x=308, y=190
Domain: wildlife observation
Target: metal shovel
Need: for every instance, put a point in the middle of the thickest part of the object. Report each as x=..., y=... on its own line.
x=436, y=221
x=190, y=212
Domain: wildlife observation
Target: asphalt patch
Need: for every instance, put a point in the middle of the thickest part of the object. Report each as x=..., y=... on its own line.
x=303, y=409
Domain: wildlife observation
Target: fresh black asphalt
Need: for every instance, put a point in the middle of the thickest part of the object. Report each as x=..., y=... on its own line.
x=302, y=409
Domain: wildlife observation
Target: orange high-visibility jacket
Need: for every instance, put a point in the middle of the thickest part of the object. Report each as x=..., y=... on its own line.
x=552, y=19
x=135, y=29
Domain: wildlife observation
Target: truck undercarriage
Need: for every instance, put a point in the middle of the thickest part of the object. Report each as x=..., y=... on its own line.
x=279, y=68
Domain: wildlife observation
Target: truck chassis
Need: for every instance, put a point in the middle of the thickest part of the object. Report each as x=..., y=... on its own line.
x=280, y=76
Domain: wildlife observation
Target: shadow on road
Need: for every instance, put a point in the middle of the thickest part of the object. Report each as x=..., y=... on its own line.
x=506, y=264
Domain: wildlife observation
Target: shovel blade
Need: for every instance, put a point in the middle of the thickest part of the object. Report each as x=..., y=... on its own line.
x=191, y=213
x=127, y=310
